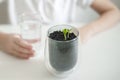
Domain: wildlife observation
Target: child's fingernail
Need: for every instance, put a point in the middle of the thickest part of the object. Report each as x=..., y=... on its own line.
x=31, y=55
x=27, y=57
x=33, y=51
x=30, y=47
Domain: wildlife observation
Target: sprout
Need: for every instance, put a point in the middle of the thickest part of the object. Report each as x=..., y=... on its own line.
x=66, y=33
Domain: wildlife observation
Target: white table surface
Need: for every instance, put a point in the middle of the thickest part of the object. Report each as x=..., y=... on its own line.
x=99, y=60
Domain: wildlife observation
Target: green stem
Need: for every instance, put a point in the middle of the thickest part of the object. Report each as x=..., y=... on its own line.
x=66, y=33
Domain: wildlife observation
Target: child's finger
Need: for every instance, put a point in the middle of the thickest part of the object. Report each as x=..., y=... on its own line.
x=23, y=43
x=23, y=50
x=33, y=41
x=20, y=55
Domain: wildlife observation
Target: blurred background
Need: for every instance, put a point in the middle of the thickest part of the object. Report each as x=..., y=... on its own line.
x=6, y=11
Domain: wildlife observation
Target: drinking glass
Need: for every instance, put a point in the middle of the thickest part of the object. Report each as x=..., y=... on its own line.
x=30, y=27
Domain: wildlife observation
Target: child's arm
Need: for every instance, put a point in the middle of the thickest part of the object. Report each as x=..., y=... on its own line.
x=109, y=16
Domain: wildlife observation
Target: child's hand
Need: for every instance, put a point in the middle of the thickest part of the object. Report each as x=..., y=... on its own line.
x=14, y=45
x=85, y=34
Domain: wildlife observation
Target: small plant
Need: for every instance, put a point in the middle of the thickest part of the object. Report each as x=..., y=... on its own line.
x=66, y=33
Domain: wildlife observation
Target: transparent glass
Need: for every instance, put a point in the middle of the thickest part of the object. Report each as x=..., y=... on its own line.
x=61, y=56
x=30, y=27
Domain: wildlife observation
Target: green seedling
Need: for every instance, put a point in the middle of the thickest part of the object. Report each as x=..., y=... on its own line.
x=66, y=33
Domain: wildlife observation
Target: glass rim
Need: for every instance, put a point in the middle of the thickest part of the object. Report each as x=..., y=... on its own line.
x=34, y=15
x=66, y=40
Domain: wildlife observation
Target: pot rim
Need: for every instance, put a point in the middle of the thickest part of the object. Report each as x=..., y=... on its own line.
x=66, y=40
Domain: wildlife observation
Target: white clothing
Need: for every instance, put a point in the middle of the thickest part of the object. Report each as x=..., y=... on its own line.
x=61, y=11
x=51, y=11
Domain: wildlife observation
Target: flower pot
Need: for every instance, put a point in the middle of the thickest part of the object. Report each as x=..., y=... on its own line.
x=61, y=57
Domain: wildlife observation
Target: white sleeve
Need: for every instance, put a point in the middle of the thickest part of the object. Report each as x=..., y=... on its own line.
x=85, y=3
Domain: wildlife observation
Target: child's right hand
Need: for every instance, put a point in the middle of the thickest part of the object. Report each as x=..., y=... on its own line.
x=14, y=45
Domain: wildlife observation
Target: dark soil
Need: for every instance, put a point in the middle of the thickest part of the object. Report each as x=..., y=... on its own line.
x=58, y=35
